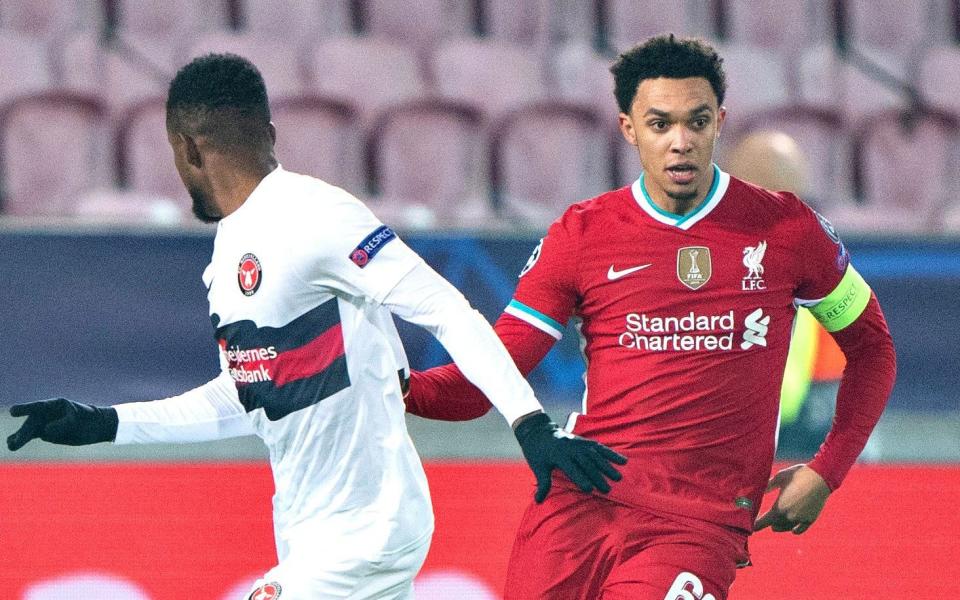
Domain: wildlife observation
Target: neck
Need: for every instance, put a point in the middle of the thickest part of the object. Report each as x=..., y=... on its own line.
x=680, y=206
x=235, y=182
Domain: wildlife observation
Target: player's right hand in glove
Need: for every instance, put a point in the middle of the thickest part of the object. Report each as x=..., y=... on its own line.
x=61, y=421
x=545, y=446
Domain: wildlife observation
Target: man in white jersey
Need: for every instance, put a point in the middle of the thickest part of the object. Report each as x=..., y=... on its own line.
x=302, y=284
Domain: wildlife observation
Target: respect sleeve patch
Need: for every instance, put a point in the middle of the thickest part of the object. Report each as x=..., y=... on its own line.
x=368, y=248
x=845, y=303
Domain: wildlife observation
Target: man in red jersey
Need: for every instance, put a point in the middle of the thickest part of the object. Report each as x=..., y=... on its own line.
x=684, y=287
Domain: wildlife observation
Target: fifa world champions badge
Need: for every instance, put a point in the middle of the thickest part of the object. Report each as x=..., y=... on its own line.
x=694, y=266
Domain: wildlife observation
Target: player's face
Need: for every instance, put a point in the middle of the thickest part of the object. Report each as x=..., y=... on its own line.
x=202, y=205
x=674, y=123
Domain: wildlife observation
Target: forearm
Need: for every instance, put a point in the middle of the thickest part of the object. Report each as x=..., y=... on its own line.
x=444, y=393
x=425, y=299
x=864, y=389
x=209, y=412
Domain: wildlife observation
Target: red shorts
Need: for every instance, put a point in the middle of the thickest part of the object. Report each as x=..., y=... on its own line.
x=576, y=546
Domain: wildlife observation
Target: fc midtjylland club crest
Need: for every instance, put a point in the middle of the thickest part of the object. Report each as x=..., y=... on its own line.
x=249, y=274
x=694, y=267
x=267, y=591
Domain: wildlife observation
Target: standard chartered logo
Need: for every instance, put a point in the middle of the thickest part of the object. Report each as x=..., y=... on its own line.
x=755, y=333
x=693, y=332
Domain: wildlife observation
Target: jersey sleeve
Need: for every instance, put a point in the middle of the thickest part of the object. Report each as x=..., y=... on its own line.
x=547, y=292
x=352, y=251
x=822, y=256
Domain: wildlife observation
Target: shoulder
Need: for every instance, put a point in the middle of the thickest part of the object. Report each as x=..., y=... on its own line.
x=781, y=207
x=592, y=214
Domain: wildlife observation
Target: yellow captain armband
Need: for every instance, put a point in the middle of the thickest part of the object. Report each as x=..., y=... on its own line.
x=844, y=304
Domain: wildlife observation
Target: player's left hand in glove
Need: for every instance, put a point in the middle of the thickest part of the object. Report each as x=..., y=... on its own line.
x=545, y=446
x=61, y=421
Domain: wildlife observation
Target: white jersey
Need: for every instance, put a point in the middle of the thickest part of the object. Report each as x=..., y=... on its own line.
x=315, y=357
x=302, y=283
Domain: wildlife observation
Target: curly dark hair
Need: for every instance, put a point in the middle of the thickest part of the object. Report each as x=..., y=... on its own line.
x=222, y=97
x=666, y=56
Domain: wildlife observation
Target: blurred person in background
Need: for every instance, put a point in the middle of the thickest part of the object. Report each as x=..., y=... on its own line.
x=683, y=287
x=302, y=283
x=773, y=160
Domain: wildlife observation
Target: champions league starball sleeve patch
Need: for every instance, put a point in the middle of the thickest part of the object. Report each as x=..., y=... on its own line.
x=368, y=248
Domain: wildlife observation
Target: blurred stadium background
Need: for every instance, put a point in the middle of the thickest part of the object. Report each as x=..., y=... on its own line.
x=468, y=125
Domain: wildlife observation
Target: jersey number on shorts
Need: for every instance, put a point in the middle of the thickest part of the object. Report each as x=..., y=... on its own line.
x=687, y=586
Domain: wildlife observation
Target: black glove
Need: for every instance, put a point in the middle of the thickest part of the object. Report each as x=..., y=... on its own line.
x=585, y=462
x=60, y=421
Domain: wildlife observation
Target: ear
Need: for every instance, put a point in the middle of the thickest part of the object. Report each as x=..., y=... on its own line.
x=721, y=117
x=192, y=152
x=273, y=133
x=626, y=128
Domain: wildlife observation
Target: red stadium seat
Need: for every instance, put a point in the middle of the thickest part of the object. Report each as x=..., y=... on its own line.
x=581, y=75
x=419, y=25
x=903, y=28
x=524, y=23
x=295, y=21
x=320, y=137
x=366, y=72
x=173, y=20
x=426, y=162
x=756, y=79
x=23, y=62
x=280, y=63
x=545, y=157
x=784, y=27
x=630, y=22
x=940, y=78
x=50, y=19
x=144, y=154
x=908, y=173
x=496, y=76
x=121, y=79
x=53, y=148
x=830, y=82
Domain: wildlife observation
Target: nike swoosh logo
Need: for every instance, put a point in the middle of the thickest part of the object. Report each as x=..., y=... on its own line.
x=613, y=274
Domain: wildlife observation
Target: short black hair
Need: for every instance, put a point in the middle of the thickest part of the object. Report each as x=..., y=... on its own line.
x=666, y=56
x=222, y=97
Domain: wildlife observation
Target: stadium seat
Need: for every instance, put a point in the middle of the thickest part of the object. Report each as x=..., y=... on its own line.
x=295, y=21
x=50, y=19
x=784, y=27
x=823, y=139
x=940, y=78
x=527, y=23
x=902, y=28
x=581, y=75
x=173, y=20
x=120, y=78
x=630, y=22
x=496, y=76
x=545, y=157
x=830, y=82
x=280, y=63
x=426, y=163
x=53, y=147
x=23, y=63
x=756, y=79
x=908, y=173
x=144, y=156
x=418, y=25
x=320, y=137
x=368, y=73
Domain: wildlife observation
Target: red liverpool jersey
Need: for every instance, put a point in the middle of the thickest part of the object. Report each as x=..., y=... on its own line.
x=685, y=324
